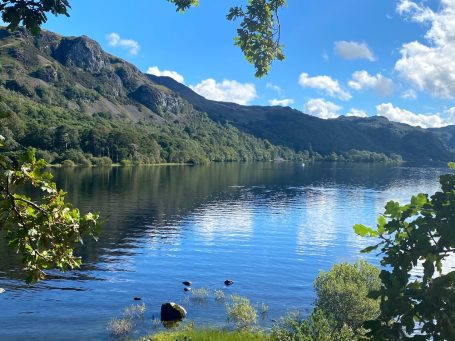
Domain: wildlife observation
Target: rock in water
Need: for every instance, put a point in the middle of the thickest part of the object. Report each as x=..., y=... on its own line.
x=187, y=289
x=2, y=290
x=172, y=312
x=187, y=283
x=228, y=282
x=137, y=298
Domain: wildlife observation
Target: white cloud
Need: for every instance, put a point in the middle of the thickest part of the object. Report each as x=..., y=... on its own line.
x=130, y=45
x=321, y=108
x=405, y=116
x=430, y=66
x=409, y=94
x=281, y=102
x=154, y=70
x=353, y=50
x=361, y=80
x=325, y=84
x=451, y=115
x=226, y=91
x=356, y=113
x=273, y=87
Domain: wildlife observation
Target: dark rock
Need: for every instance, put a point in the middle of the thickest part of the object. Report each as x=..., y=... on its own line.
x=137, y=298
x=172, y=312
x=187, y=283
x=158, y=100
x=228, y=282
x=129, y=77
x=47, y=74
x=83, y=53
x=186, y=289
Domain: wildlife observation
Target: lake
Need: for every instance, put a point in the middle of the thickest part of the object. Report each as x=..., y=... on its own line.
x=269, y=227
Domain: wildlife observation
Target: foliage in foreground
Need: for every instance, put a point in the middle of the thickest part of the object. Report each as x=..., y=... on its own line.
x=416, y=240
x=318, y=327
x=44, y=232
x=342, y=306
x=208, y=335
x=343, y=293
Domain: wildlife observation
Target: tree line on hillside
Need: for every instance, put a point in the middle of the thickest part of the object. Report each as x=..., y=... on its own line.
x=70, y=137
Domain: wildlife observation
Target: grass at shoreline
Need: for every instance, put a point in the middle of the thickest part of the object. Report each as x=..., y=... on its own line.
x=207, y=335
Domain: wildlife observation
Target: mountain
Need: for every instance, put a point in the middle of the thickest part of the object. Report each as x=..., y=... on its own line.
x=71, y=100
x=289, y=127
x=446, y=135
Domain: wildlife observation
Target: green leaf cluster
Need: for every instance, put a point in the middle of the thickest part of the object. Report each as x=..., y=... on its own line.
x=31, y=13
x=417, y=290
x=46, y=231
x=259, y=33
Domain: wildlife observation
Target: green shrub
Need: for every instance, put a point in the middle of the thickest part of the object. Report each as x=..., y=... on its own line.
x=200, y=295
x=85, y=162
x=240, y=312
x=342, y=293
x=68, y=163
x=48, y=156
x=318, y=327
x=120, y=326
x=126, y=162
x=219, y=295
x=101, y=161
x=135, y=311
x=75, y=155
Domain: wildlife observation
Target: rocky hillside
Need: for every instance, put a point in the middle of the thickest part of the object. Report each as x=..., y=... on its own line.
x=71, y=99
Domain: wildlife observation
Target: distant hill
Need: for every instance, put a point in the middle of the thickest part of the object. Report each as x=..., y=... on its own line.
x=70, y=99
x=289, y=127
x=446, y=135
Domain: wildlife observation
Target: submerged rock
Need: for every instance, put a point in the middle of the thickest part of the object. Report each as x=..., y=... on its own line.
x=228, y=282
x=172, y=312
x=187, y=289
x=187, y=283
x=137, y=298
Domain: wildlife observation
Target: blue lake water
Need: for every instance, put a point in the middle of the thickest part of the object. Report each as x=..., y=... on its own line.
x=269, y=227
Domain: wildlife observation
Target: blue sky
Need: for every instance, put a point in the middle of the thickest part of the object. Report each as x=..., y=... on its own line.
x=394, y=58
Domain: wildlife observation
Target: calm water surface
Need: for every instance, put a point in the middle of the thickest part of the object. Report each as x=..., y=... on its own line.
x=269, y=227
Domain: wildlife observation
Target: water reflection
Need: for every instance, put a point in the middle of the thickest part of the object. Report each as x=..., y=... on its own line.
x=270, y=227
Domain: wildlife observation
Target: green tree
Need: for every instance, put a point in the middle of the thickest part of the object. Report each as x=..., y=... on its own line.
x=417, y=290
x=258, y=35
x=342, y=293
